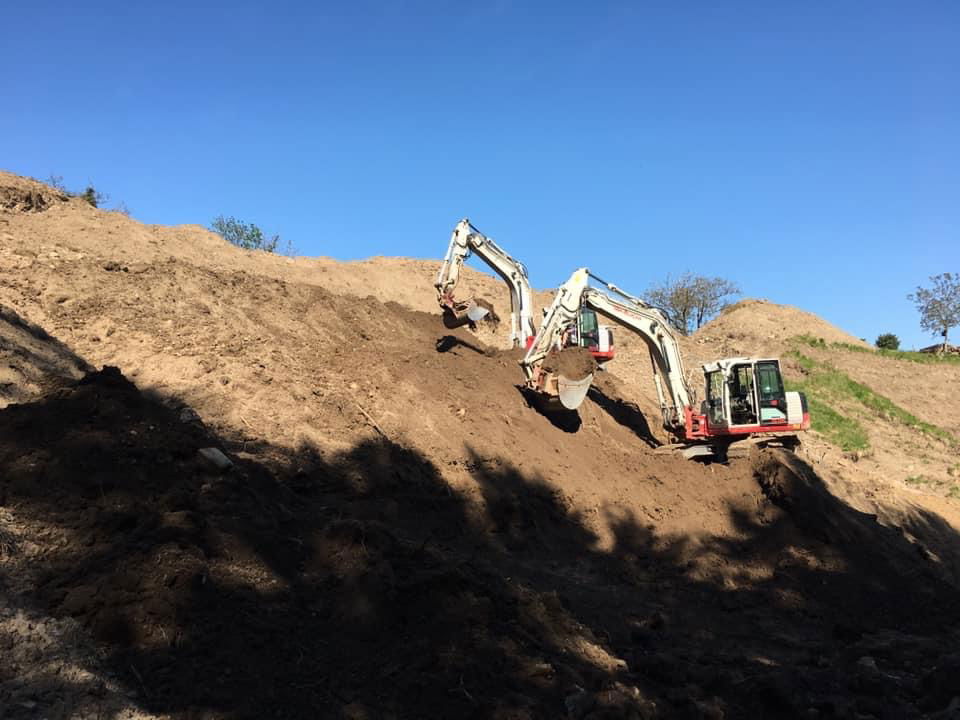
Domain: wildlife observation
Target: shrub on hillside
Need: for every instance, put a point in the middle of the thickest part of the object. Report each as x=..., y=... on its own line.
x=94, y=196
x=888, y=341
x=89, y=193
x=244, y=235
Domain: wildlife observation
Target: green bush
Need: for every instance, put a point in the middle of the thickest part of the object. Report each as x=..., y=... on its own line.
x=244, y=235
x=888, y=341
x=94, y=196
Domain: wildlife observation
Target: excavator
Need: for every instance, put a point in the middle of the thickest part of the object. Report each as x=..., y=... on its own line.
x=464, y=240
x=583, y=330
x=744, y=396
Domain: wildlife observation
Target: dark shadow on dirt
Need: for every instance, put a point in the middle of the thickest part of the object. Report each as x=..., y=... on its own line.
x=567, y=420
x=449, y=342
x=626, y=413
x=362, y=585
x=44, y=362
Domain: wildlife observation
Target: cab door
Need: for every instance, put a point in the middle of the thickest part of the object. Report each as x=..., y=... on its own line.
x=588, y=329
x=773, y=398
x=716, y=400
x=743, y=395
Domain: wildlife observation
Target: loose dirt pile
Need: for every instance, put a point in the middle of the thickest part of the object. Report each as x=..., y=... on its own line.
x=26, y=195
x=30, y=359
x=573, y=363
x=398, y=535
x=754, y=326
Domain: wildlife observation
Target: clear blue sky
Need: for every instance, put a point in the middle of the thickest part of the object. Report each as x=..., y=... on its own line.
x=809, y=151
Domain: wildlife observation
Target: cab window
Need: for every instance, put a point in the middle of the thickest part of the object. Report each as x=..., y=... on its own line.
x=768, y=377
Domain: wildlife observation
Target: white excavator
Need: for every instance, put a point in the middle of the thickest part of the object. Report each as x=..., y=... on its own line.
x=743, y=396
x=584, y=330
x=464, y=240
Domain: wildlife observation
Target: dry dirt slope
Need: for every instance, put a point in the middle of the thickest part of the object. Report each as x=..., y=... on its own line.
x=400, y=535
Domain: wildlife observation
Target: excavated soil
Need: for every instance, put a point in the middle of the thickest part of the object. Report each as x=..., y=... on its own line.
x=573, y=363
x=397, y=534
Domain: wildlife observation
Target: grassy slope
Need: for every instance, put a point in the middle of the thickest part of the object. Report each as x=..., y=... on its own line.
x=830, y=392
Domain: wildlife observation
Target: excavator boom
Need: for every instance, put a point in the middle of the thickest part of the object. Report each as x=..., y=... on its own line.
x=630, y=312
x=467, y=239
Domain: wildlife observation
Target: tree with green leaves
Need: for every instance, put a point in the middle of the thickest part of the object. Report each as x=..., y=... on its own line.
x=244, y=235
x=888, y=341
x=939, y=305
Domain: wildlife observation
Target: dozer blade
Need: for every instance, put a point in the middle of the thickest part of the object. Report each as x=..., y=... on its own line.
x=572, y=392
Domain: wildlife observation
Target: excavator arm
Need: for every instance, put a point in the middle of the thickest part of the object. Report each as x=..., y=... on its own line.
x=630, y=312
x=464, y=240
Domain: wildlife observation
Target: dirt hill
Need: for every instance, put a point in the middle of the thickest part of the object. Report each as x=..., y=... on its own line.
x=240, y=485
x=751, y=324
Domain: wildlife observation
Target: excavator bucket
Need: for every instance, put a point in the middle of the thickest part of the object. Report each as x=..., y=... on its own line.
x=476, y=312
x=573, y=392
x=469, y=313
x=453, y=319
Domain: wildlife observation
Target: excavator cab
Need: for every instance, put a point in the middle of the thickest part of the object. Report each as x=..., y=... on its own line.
x=597, y=338
x=748, y=392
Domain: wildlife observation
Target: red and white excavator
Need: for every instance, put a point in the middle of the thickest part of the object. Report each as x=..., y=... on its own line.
x=583, y=330
x=743, y=396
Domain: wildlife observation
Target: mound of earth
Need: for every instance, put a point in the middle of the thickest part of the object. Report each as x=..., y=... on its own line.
x=573, y=363
x=285, y=496
x=31, y=360
x=752, y=327
x=27, y=195
x=316, y=584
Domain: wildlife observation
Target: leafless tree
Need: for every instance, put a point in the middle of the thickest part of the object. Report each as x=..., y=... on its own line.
x=691, y=300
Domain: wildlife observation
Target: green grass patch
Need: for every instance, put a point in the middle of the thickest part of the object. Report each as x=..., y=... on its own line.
x=922, y=481
x=845, y=432
x=912, y=356
x=825, y=386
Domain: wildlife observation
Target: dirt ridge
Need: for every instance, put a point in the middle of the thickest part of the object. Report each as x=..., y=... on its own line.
x=398, y=534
